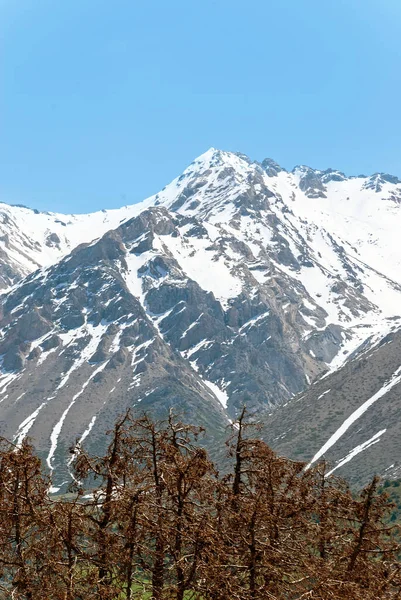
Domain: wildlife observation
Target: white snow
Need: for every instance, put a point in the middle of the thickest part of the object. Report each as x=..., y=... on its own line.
x=26, y=425
x=211, y=271
x=395, y=379
x=58, y=427
x=221, y=395
x=254, y=321
x=192, y=326
x=198, y=346
x=5, y=381
x=370, y=442
x=95, y=334
x=135, y=359
x=82, y=438
x=87, y=431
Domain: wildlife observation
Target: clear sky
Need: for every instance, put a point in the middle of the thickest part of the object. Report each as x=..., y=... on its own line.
x=103, y=102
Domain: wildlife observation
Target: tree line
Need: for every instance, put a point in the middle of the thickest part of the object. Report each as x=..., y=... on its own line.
x=154, y=519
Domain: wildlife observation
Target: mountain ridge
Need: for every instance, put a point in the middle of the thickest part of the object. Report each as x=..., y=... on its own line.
x=264, y=163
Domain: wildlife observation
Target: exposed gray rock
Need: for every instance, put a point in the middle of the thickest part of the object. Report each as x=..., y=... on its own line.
x=271, y=167
x=311, y=183
x=53, y=240
x=13, y=360
x=325, y=344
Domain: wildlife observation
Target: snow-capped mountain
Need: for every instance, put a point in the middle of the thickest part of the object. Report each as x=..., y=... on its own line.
x=238, y=283
x=30, y=239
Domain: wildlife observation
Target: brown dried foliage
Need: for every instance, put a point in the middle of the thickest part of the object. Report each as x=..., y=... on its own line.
x=153, y=519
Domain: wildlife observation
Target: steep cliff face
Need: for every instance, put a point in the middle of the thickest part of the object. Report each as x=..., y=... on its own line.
x=239, y=283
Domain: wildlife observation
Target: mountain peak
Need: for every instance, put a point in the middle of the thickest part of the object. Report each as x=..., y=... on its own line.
x=207, y=156
x=271, y=167
x=303, y=170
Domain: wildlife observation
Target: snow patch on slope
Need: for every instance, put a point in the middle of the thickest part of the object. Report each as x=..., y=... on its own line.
x=395, y=379
x=357, y=450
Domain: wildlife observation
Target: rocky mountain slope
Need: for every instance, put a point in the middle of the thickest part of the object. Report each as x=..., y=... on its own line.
x=238, y=283
x=351, y=418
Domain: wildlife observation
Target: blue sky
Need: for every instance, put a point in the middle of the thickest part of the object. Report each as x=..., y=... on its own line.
x=102, y=103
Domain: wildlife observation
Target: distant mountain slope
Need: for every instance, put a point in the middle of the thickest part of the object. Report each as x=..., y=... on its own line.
x=237, y=283
x=351, y=418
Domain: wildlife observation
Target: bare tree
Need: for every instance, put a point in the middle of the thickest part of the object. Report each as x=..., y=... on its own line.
x=153, y=518
x=23, y=493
